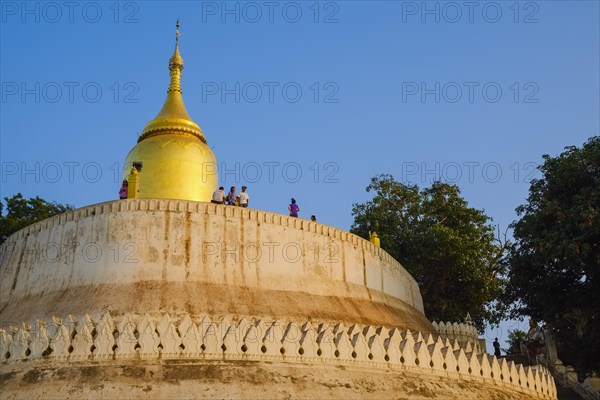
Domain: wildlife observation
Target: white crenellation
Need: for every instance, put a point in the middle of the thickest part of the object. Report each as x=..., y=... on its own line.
x=418, y=336
x=464, y=334
x=422, y=355
x=39, y=339
x=70, y=323
x=360, y=347
x=60, y=342
x=462, y=365
x=368, y=330
x=407, y=349
x=149, y=339
x=52, y=328
x=430, y=338
x=211, y=343
x=230, y=346
x=343, y=346
x=276, y=335
x=308, y=347
x=392, y=347
x=455, y=344
x=251, y=340
x=468, y=347
x=522, y=376
x=255, y=339
x=436, y=354
x=83, y=340
x=290, y=340
x=170, y=341
x=504, y=370
x=104, y=340
x=494, y=366
x=473, y=363
x=5, y=345
x=191, y=339
x=19, y=346
x=530, y=377
x=377, y=350
x=205, y=327
x=451, y=362
x=513, y=372
x=127, y=342
x=485, y=369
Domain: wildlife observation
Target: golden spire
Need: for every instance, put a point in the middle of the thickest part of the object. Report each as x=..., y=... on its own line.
x=178, y=164
x=176, y=65
x=173, y=117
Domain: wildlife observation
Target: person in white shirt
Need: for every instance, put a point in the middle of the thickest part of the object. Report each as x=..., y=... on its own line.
x=243, y=197
x=218, y=196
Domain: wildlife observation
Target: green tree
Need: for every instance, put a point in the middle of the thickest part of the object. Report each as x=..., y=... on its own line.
x=554, y=273
x=448, y=247
x=516, y=338
x=21, y=212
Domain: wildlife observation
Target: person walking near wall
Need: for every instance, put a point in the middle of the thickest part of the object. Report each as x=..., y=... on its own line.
x=294, y=208
x=497, y=348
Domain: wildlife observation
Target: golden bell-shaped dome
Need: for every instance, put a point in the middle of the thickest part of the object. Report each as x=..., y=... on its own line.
x=176, y=160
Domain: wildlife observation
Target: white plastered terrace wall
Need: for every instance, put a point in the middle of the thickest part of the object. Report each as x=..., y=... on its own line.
x=139, y=240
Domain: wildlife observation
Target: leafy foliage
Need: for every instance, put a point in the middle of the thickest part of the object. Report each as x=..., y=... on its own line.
x=447, y=246
x=555, y=262
x=516, y=338
x=21, y=212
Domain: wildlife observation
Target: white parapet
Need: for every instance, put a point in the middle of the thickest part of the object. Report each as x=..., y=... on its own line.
x=250, y=339
x=464, y=333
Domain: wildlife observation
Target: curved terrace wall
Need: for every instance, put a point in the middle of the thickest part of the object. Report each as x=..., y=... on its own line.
x=170, y=255
x=250, y=357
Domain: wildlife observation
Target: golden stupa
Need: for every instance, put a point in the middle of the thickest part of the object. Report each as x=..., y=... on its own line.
x=167, y=297
x=172, y=155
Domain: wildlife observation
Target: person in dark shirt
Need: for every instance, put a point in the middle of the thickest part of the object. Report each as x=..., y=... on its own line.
x=232, y=197
x=497, y=348
x=124, y=191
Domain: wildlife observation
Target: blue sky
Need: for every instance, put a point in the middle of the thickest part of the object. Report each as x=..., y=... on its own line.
x=303, y=99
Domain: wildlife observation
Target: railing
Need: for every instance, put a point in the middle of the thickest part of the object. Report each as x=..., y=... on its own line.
x=568, y=378
x=532, y=358
x=564, y=376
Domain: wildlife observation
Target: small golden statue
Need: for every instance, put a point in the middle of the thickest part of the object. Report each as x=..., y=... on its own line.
x=374, y=239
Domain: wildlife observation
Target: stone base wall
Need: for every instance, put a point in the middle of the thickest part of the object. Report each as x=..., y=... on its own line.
x=223, y=379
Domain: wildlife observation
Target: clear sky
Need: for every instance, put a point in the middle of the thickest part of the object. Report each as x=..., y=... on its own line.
x=303, y=99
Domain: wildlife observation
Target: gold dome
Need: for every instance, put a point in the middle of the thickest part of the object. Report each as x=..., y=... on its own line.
x=176, y=160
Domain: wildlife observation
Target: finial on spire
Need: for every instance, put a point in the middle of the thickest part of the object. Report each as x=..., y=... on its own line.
x=468, y=319
x=176, y=64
